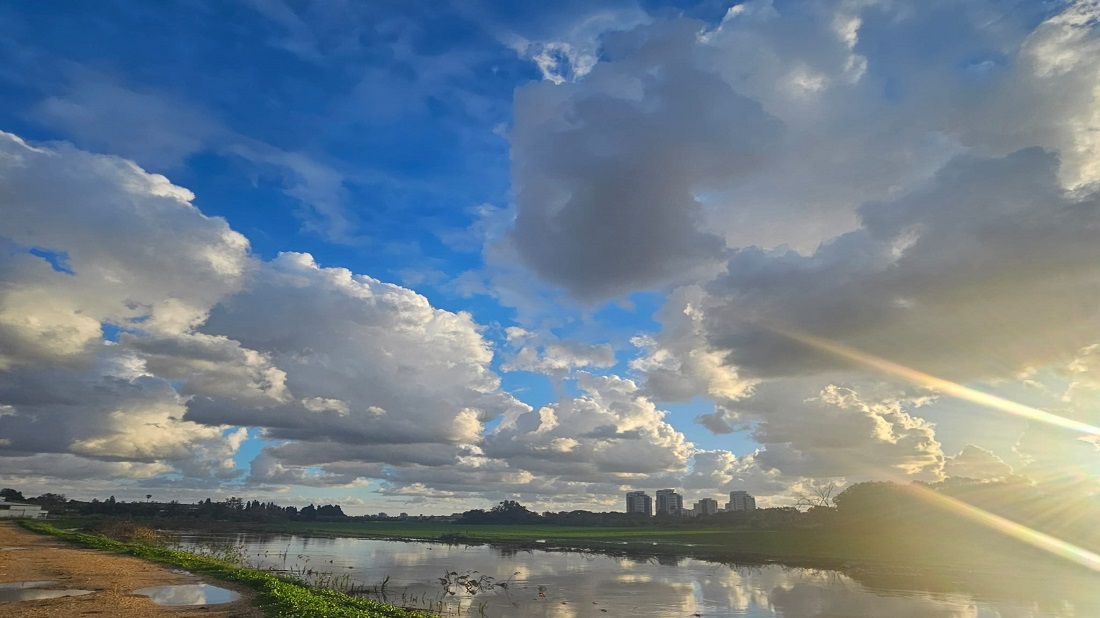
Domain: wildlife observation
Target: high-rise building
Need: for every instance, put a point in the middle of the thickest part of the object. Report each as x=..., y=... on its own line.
x=639, y=502
x=706, y=506
x=669, y=502
x=741, y=501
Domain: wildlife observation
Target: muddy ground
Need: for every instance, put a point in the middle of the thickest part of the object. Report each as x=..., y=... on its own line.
x=25, y=556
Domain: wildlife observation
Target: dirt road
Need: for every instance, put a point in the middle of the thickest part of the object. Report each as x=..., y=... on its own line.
x=25, y=556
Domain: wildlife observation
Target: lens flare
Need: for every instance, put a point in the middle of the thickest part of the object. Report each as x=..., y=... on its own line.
x=1010, y=528
x=1005, y=526
x=946, y=387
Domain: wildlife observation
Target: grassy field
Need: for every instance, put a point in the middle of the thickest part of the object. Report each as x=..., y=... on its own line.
x=838, y=547
x=812, y=547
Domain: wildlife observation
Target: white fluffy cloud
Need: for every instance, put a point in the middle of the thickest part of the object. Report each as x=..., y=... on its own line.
x=836, y=431
x=92, y=242
x=805, y=166
x=210, y=340
x=367, y=362
x=680, y=363
x=353, y=379
x=935, y=210
x=610, y=432
x=541, y=354
x=85, y=209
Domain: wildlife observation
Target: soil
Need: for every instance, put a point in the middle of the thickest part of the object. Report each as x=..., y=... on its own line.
x=25, y=556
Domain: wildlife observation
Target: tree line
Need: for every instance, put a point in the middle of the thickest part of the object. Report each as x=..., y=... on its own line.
x=231, y=509
x=1068, y=511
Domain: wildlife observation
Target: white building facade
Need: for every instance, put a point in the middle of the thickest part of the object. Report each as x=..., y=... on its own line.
x=669, y=502
x=639, y=502
x=741, y=501
x=15, y=510
x=706, y=506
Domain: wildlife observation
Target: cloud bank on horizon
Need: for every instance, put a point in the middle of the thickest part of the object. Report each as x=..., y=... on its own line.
x=448, y=259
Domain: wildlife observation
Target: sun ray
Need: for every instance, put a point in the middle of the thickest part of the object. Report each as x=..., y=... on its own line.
x=1005, y=526
x=941, y=385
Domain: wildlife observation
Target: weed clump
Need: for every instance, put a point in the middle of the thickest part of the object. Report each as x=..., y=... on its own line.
x=130, y=532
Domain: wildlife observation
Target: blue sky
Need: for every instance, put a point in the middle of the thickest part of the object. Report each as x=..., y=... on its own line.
x=441, y=254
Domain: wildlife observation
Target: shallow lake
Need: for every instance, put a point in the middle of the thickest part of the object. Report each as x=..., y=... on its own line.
x=570, y=584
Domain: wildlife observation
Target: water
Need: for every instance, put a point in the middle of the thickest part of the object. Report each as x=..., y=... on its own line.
x=188, y=594
x=33, y=591
x=570, y=584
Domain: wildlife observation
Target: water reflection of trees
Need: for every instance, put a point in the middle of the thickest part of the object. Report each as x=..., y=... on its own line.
x=599, y=581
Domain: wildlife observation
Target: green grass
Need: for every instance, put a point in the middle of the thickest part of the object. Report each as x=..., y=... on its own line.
x=277, y=596
x=863, y=547
x=838, y=547
x=804, y=547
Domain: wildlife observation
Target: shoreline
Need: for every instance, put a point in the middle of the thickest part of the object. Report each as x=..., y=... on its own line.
x=932, y=554
x=270, y=594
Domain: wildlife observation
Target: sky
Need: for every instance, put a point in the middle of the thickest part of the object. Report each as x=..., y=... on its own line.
x=423, y=257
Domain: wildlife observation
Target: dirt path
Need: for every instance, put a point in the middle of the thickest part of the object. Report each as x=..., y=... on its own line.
x=112, y=577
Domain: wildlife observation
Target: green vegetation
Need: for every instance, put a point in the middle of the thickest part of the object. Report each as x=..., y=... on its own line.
x=279, y=597
x=873, y=525
x=835, y=547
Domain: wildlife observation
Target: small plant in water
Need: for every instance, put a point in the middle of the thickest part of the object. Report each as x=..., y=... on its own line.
x=472, y=582
x=222, y=551
x=129, y=532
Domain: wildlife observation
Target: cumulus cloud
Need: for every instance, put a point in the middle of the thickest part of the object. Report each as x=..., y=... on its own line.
x=686, y=138
x=210, y=340
x=611, y=431
x=110, y=412
x=975, y=462
x=606, y=170
x=48, y=467
x=555, y=358
x=717, y=472
x=837, y=432
x=66, y=390
x=679, y=363
x=949, y=229
x=366, y=362
x=66, y=202
x=987, y=270
x=801, y=166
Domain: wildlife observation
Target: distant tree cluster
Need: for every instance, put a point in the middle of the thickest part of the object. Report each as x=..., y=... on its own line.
x=883, y=510
x=11, y=495
x=230, y=509
x=507, y=512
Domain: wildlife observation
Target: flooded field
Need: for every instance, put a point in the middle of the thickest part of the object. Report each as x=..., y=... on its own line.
x=499, y=581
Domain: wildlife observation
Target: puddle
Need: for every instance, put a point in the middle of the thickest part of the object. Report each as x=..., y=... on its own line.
x=32, y=591
x=11, y=548
x=18, y=585
x=188, y=594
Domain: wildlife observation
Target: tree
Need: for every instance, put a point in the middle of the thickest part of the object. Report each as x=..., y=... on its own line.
x=512, y=512
x=878, y=501
x=11, y=495
x=51, y=502
x=815, y=494
x=507, y=512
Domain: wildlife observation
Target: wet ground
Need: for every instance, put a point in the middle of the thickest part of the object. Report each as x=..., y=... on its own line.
x=46, y=578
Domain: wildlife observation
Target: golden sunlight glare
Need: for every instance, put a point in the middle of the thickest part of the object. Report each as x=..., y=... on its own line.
x=941, y=385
